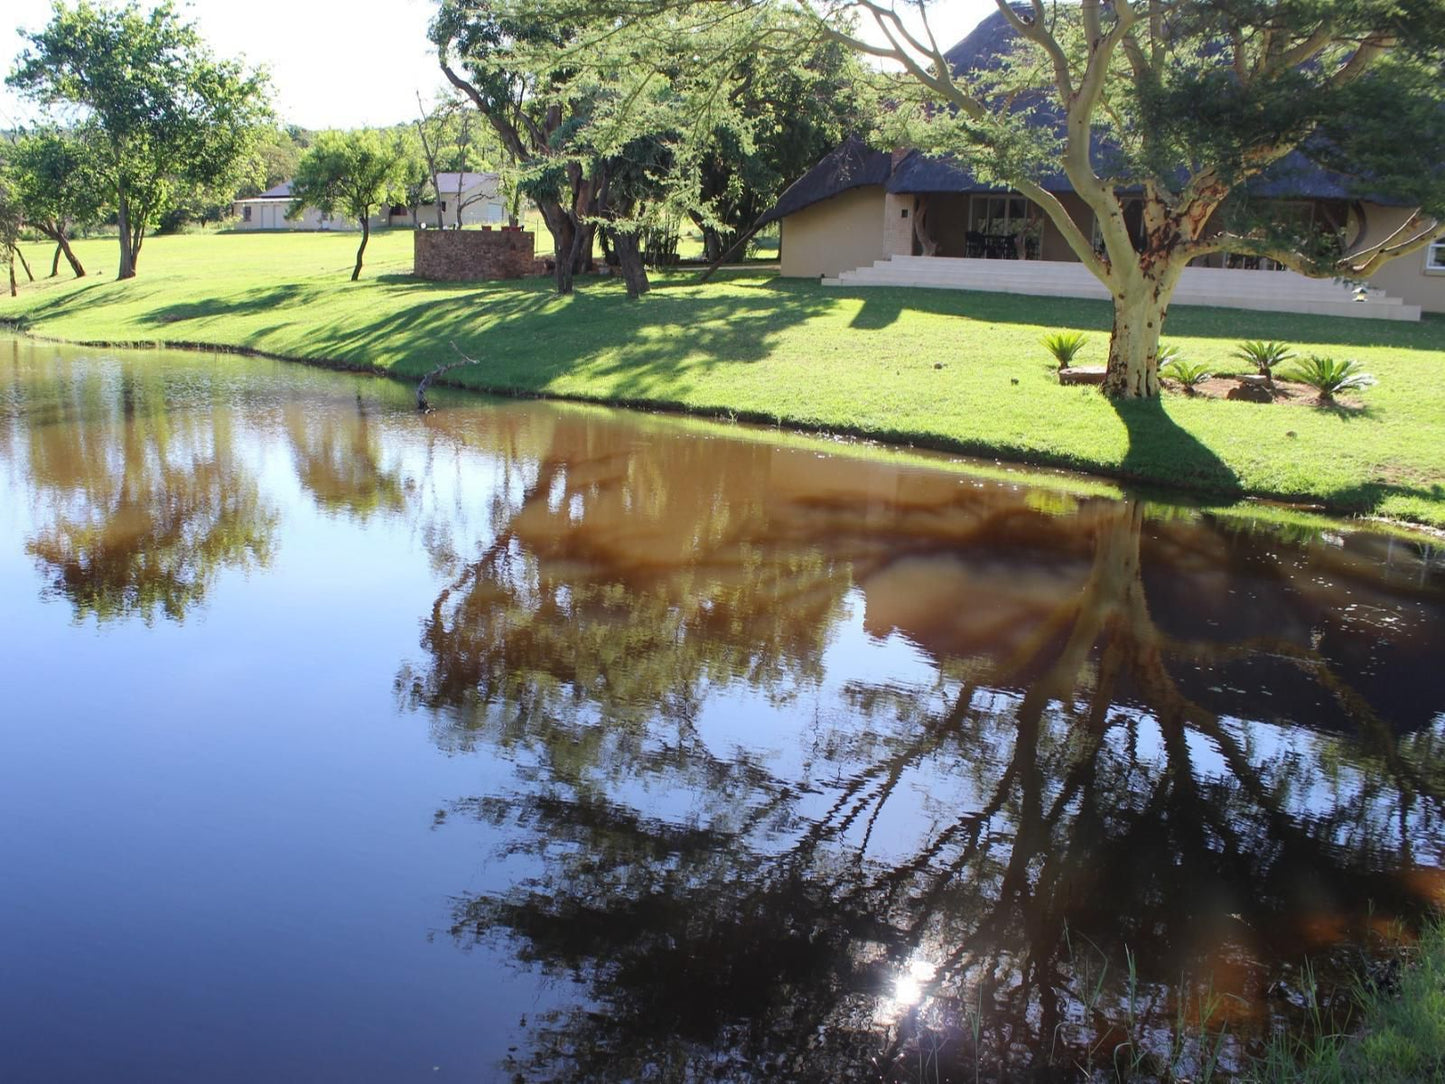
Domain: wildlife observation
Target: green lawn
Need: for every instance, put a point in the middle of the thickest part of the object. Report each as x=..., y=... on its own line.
x=937, y=368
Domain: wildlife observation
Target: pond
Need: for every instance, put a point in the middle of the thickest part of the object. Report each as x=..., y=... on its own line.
x=528, y=741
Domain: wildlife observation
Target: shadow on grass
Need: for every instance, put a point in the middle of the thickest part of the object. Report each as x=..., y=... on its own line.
x=524, y=335
x=249, y=304
x=1159, y=449
x=877, y=313
x=1188, y=321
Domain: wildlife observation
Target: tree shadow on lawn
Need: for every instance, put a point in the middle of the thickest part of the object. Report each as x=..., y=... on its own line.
x=636, y=349
x=1164, y=455
x=267, y=300
x=883, y=305
x=61, y=306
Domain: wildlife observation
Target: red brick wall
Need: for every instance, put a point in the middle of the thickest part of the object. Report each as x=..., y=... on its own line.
x=467, y=255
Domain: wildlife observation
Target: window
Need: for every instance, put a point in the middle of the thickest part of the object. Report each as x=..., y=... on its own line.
x=245, y=214
x=444, y=206
x=1435, y=258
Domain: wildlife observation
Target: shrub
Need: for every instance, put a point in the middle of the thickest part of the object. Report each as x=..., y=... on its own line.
x=1264, y=356
x=1328, y=376
x=1168, y=355
x=1064, y=345
x=1188, y=374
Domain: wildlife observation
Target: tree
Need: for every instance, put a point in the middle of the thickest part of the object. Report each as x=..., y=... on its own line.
x=508, y=59
x=57, y=182
x=788, y=108
x=1185, y=103
x=11, y=222
x=352, y=173
x=170, y=116
x=275, y=156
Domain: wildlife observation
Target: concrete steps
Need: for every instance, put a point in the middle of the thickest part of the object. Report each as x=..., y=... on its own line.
x=1267, y=291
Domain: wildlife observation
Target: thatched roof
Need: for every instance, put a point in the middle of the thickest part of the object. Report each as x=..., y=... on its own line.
x=1296, y=177
x=852, y=165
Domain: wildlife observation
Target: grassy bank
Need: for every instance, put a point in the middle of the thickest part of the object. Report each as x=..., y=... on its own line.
x=937, y=368
x=1399, y=1034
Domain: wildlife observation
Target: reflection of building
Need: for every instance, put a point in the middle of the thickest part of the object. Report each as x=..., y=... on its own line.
x=471, y=199
x=864, y=218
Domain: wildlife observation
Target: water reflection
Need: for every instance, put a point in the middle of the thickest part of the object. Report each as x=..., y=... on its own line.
x=139, y=505
x=339, y=460
x=1059, y=740
x=792, y=766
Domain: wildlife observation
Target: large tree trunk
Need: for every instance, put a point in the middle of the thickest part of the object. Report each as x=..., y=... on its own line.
x=361, y=250
x=127, y=254
x=55, y=262
x=1139, y=311
x=14, y=286
x=629, y=261
x=29, y=274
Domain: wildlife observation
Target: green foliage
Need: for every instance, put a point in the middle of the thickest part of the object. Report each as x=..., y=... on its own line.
x=172, y=118
x=57, y=177
x=1064, y=346
x=1188, y=374
x=274, y=157
x=637, y=116
x=1264, y=355
x=1329, y=376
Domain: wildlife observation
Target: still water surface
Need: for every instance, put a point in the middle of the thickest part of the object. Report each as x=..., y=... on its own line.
x=339, y=743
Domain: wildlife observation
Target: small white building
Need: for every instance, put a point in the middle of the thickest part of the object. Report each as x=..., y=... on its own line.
x=476, y=196
x=268, y=212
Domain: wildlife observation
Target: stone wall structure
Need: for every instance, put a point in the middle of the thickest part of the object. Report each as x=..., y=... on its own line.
x=470, y=255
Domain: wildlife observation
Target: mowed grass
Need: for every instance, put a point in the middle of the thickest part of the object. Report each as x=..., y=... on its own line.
x=963, y=371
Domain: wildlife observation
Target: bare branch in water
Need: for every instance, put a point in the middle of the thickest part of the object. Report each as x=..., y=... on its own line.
x=426, y=381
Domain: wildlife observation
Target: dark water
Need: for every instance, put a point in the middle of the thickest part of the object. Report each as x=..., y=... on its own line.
x=339, y=743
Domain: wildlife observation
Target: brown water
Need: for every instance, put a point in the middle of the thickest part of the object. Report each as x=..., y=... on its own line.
x=342, y=743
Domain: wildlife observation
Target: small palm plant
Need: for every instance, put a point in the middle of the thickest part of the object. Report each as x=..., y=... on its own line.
x=1264, y=356
x=1328, y=376
x=1065, y=345
x=1187, y=374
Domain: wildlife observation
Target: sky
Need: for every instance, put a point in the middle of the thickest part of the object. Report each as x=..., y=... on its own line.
x=341, y=63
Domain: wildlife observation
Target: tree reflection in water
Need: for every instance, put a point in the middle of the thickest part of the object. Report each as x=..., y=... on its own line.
x=339, y=460
x=1207, y=751
x=143, y=505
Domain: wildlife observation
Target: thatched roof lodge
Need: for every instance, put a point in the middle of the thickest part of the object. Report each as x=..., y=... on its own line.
x=863, y=216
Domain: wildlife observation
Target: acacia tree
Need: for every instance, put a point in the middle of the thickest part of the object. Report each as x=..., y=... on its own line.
x=494, y=54
x=170, y=115
x=1182, y=104
x=57, y=184
x=352, y=173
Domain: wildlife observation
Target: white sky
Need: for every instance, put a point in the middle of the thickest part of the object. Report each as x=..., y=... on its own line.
x=341, y=63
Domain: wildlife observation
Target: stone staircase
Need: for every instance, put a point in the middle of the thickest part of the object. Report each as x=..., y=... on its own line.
x=1268, y=291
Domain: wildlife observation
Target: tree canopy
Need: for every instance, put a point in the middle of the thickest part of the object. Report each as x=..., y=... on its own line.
x=626, y=117
x=171, y=117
